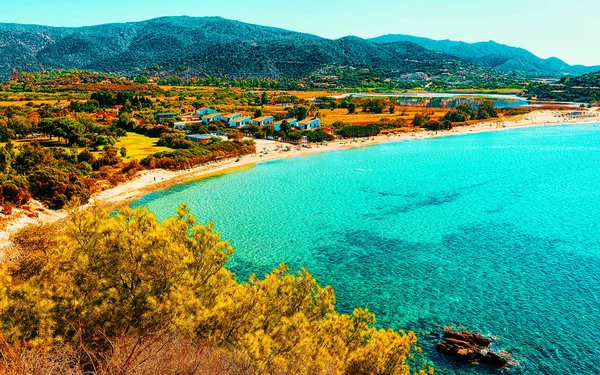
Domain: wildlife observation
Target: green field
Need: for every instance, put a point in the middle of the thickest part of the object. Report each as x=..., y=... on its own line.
x=139, y=146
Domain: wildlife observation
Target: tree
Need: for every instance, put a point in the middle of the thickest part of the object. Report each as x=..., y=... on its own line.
x=64, y=128
x=123, y=152
x=125, y=122
x=285, y=126
x=56, y=187
x=351, y=108
x=141, y=80
x=375, y=105
x=264, y=98
x=126, y=275
x=392, y=109
x=258, y=113
x=5, y=132
x=298, y=112
x=109, y=156
x=420, y=119
x=21, y=126
x=486, y=110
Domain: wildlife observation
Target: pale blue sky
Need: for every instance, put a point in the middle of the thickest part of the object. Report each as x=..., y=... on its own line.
x=566, y=29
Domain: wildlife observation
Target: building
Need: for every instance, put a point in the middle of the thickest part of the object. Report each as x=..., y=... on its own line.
x=187, y=109
x=179, y=125
x=212, y=117
x=165, y=116
x=201, y=138
x=291, y=121
x=205, y=111
x=309, y=124
x=228, y=118
x=240, y=121
x=262, y=121
x=190, y=118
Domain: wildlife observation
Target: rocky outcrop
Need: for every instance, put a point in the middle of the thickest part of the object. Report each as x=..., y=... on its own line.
x=471, y=347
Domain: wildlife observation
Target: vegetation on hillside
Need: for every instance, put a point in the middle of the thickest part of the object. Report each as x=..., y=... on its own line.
x=112, y=292
x=211, y=50
x=582, y=89
x=496, y=56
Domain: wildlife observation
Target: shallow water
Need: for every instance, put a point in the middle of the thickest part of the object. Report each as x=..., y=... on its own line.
x=497, y=232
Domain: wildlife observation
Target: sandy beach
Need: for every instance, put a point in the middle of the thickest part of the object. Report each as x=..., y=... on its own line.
x=158, y=179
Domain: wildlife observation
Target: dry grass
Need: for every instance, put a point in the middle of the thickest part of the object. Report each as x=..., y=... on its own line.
x=20, y=103
x=164, y=355
x=362, y=118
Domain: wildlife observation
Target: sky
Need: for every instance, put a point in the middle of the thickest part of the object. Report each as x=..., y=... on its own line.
x=565, y=29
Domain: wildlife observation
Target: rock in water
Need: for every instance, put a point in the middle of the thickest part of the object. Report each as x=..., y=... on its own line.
x=470, y=347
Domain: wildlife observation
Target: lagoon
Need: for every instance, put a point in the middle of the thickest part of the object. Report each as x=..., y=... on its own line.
x=496, y=232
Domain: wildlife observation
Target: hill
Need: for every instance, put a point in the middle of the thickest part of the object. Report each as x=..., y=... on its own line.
x=494, y=55
x=190, y=46
x=582, y=89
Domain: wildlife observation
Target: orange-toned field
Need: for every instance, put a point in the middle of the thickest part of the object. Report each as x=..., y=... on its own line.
x=305, y=94
x=360, y=118
x=19, y=103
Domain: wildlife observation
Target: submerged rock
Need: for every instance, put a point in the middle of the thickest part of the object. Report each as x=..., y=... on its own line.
x=470, y=347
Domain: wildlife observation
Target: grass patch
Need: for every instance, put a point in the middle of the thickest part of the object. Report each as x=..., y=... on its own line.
x=139, y=146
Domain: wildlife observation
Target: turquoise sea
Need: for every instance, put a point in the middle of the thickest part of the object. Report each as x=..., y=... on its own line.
x=496, y=232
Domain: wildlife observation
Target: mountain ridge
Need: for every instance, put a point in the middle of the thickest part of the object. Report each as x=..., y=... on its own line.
x=215, y=46
x=200, y=46
x=493, y=55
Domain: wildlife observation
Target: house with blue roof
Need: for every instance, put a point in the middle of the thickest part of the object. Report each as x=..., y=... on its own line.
x=262, y=121
x=240, y=121
x=212, y=117
x=228, y=118
x=205, y=111
x=309, y=124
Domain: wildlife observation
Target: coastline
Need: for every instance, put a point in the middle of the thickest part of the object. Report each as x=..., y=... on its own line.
x=158, y=179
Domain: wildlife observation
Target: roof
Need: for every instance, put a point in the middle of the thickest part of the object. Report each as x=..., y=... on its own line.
x=306, y=121
x=212, y=115
x=240, y=118
x=261, y=118
x=167, y=113
x=199, y=136
x=232, y=114
x=287, y=119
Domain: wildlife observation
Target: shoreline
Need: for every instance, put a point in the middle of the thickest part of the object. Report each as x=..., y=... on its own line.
x=158, y=179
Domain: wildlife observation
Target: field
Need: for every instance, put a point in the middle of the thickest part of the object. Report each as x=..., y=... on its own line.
x=329, y=117
x=139, y=146
x=43, y=141
x=19, y=103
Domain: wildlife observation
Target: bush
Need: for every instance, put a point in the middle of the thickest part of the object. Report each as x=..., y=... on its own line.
x=175, y=140
x=14, y=190
x=56, y=187
x=359, y=131
x=111, y=286
x=200, y=154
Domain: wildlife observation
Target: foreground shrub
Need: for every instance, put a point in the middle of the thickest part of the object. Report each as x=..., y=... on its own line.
x=109, y=279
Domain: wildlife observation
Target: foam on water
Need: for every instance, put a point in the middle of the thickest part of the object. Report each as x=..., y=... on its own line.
x=497, y=232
